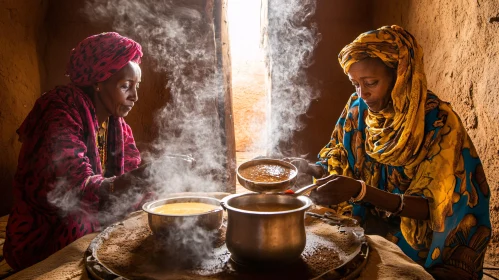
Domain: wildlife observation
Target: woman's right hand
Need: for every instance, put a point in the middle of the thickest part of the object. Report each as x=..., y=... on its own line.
x=335, y=189
x=139, y=178
x=133, y=178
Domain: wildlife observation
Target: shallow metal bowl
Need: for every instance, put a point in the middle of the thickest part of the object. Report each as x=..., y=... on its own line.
x=162, y=224
x=267, y=187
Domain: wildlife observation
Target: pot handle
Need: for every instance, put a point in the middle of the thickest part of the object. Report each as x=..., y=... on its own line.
x=222, y=204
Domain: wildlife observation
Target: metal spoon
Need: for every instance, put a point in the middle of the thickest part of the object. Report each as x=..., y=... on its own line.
x=305, y=190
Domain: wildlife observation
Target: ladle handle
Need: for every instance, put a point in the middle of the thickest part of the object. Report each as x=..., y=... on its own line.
x=305, y=190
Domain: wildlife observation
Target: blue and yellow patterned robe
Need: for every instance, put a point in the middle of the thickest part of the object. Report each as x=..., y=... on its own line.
x=450, y=175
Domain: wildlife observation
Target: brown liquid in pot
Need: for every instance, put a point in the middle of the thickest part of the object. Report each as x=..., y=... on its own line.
x=266, y=173
x=267, y=207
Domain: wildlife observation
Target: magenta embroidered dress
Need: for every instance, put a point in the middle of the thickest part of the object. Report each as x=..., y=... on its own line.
x=59, y=151
x=59, y=173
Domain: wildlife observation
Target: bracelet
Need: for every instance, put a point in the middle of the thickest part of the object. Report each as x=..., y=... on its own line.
x=362, y=193
x=399, y=209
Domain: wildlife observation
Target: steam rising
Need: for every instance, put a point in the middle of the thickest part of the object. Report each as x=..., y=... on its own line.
x=179, y=37
x=188, y=249
x=180, y=40
x=292, y=38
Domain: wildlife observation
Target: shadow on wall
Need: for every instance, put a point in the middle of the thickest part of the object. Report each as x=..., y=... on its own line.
x=338, y=22
x=6, y=176
x=8, y=156
x=21, y=71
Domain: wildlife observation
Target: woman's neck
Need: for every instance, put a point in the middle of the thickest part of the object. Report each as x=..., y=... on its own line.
x=101, y=116
x=100, y=109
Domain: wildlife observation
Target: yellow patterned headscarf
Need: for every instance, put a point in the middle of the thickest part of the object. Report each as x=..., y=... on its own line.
x=396, y=142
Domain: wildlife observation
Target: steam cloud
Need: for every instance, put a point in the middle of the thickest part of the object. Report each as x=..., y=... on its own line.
x=292, y=38
x=190, y=248
x=178, y=37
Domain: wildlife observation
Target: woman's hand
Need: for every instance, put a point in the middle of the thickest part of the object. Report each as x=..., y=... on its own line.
x=306, y=167
x=133, y=178
x=300, y=163
x=138, y=178
x=335, y=189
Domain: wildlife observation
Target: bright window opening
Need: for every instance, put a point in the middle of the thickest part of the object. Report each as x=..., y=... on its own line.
x=249, y=92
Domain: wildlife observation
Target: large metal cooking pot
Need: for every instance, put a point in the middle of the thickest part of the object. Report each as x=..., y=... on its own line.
x=265, y=237
x=267, y=187
x=162, y=224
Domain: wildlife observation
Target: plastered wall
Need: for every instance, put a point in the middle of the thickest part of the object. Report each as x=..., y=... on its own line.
x=22, y=37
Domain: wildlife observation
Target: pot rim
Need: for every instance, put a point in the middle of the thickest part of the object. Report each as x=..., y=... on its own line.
x=147, y=206
x=225, y=204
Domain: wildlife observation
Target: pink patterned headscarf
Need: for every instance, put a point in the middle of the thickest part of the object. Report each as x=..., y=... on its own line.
x=98, y=57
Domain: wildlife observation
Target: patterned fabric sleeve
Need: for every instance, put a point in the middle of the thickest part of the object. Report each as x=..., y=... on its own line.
x=59, y=161
x=56, y=188
x=434, y=180
x=447, y=177
x=132, y=154
x=334, y=157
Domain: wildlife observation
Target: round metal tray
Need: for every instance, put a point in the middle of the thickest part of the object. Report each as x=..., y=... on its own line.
x=345, y=255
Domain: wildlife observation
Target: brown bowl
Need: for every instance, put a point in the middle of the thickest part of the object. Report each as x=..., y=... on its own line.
x=267, y=187
x=163, y=224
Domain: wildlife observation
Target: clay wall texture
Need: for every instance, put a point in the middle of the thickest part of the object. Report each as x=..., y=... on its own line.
x=21, y=73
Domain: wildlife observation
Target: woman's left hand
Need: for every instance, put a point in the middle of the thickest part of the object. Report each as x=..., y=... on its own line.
x=304, y=166
x=335, y=189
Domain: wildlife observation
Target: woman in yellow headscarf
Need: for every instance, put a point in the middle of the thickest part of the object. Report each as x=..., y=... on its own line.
x=404, y=161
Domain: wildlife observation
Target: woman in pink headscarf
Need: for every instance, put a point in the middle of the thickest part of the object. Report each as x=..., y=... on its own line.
x=77, y=151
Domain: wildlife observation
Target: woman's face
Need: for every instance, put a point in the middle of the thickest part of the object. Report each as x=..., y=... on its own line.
x=118, y=94
x=373, y=81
